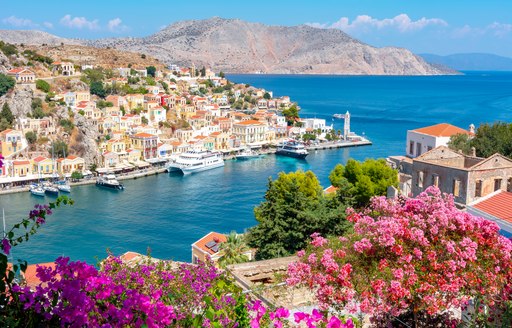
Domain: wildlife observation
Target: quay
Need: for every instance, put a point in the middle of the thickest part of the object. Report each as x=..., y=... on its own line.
x=338, y=144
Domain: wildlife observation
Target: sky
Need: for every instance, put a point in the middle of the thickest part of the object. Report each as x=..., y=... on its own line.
x=424, y=26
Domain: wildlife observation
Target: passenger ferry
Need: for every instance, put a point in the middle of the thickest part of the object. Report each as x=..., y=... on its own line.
x=196, y=161
x=292, y=148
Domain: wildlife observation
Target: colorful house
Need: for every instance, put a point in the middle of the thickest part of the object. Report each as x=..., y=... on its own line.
x=207, y=247
x=21, y=168
x=22, y=75
x=70, y=164
x=12, y=142
x=42, y=165
x=146, y=143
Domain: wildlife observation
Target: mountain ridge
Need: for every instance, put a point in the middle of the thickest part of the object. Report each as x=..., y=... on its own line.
x=237, y=46
x=475, y=61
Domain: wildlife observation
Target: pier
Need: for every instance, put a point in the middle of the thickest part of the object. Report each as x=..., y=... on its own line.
x=338, y=144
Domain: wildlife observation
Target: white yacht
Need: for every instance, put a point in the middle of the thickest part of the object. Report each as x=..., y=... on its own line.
x=196, y=161
x=247, y=153
x=109, y=181
x=292, y=148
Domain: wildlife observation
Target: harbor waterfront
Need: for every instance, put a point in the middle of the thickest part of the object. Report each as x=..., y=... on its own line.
x=168, y=212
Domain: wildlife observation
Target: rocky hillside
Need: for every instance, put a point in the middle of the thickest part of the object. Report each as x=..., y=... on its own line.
x=233, y=45
x=33, y=37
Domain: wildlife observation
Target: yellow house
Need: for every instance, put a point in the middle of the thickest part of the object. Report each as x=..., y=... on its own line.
x=11, y=141
x=116, y=146
x=70, y=164
x=221, y=140
x=21, y=168
x=134, y=100
x=133, y=155
x=42, y=165
x=82, y=96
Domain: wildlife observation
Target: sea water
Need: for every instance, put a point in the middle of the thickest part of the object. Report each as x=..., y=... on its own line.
x=166, y=213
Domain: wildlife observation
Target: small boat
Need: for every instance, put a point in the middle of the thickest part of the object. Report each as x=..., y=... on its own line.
x=196, y=161
x=109, y=181
x=292, y=148
x=340, y=116
x=63, y=186
x=37, y=190
x=49, y=189
x=247, y=153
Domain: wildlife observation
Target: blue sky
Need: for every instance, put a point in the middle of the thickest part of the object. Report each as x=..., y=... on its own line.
x=434, y=26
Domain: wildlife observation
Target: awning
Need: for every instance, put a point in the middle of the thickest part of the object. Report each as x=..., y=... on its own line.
x=142, y=164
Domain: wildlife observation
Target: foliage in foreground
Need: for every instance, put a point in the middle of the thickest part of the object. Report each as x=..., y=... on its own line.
x=411, y=259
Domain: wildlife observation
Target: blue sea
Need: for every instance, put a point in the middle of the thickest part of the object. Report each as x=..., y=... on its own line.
x=166, y=213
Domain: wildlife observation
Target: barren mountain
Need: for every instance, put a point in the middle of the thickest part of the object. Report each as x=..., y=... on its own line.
x=233, y=45
x=33, y=37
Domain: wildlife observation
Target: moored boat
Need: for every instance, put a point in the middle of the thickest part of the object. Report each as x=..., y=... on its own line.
x=109, y=181
x=63, y=186
x=247, y=154
x=196, y=161
x=49, y=189
x=292, y=148
x=37, y=190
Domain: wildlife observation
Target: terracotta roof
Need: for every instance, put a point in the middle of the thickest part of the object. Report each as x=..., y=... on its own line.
x=330, y=190
x=144, y=135
x=441, y=130
x=6, y=131
x=249, y=122
x=212, y=236
x=30, y=274
x=498, y=205
x=39, y=159
x=20, y=162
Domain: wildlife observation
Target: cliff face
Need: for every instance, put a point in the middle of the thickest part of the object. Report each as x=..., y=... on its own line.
x=232, y=45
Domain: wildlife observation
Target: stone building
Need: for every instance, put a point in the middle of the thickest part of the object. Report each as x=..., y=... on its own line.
x=466, y=177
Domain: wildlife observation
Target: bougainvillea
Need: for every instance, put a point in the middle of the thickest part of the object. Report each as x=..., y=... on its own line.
x=419, y=256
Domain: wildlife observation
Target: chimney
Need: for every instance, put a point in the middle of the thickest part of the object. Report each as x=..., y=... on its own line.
x=473, y=151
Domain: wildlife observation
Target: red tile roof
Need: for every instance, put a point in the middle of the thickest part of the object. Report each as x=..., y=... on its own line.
x=250, y=122
x=212, y=236
x=330, y=190
x=441, y=130
x=20, y=162
x=498, y=205
x=30, y=274
x=39, y=159
x=144, y=135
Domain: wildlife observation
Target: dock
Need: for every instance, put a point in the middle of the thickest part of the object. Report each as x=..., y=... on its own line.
x=338, y=144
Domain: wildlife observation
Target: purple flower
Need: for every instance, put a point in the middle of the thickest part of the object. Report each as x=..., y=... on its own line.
x=6, y=245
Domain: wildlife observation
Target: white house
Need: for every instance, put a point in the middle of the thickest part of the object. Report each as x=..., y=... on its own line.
x=421, y=140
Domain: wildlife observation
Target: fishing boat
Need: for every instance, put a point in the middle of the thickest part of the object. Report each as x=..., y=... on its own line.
x=196, y=161
x=340, y=116
x=292, y=148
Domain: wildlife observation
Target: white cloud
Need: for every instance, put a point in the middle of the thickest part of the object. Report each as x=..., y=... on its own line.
x=115, y=25
x=79, y=23
x=495, y=29
x=499, y=29
x=364, y=23
x=18, y=22
x=48, y=25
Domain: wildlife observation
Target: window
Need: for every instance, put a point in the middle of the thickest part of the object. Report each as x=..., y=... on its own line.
x=411, y=147
x=418, y=149
x=429, y=148
x=456, y=187
x=509, y=184
x=420, y=179
x=478, y=188
x=497, y=184
x=435, y=180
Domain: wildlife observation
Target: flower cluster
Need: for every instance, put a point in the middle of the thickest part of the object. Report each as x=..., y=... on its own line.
x=413, y=255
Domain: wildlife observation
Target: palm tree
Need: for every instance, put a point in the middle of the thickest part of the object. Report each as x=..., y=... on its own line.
x=233, y=250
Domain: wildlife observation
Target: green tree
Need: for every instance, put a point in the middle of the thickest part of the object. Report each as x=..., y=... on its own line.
x=165, y=86
x=232, y=251
x=76, y=175
x=97, y=89
x=151, y=71
x=58, y=149
x=361, y=181
x=144, y=120
x=31, y=137
x=222, y=75
x=461, y=142
x=93, y=75
x=294, y=208
x=267, y=96
x=203, y=71
x=6, y=84
x=43, y=85
x=291, y=114
x=67, y=125
x=143, y=56
x=308, y=137
x=491, y=139
x=7, y=114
